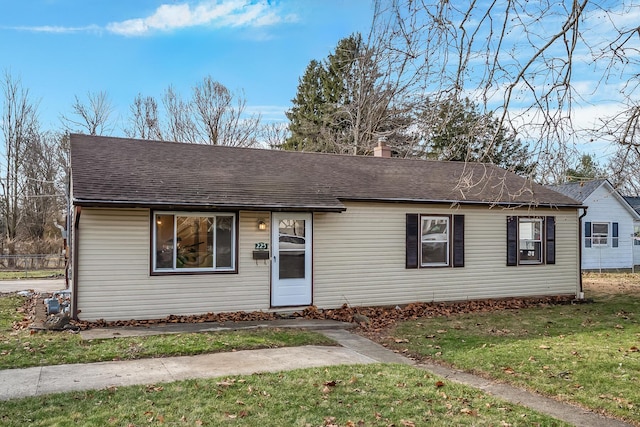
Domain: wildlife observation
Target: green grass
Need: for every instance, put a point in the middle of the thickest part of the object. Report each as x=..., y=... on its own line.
x=30, y=274
x=21, y=349
x=364, y=395
x=587, y=354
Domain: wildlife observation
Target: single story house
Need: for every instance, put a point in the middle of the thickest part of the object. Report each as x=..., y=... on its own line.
x=608, y=235
x=163, y=228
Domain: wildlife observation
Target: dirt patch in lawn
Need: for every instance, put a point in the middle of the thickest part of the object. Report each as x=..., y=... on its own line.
x=610, y=284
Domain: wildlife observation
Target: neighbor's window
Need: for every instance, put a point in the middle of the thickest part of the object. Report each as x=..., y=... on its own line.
x=636, y=235
x=434, y=241
x=599, y=233
x=530, y=240
x=194, y=242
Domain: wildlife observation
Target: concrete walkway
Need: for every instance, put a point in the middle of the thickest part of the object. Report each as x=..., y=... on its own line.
x=33, y=285
x=354, y=349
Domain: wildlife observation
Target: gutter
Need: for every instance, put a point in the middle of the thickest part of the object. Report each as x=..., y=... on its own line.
x=206, y=207
x=580, y=290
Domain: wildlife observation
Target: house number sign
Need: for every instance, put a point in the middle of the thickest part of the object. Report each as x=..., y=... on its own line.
x=261, y=246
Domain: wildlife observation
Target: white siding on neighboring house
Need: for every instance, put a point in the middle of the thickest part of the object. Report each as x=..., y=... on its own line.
x=636, y=246
x=605, y=207
x=359, y=258
x=114, y=280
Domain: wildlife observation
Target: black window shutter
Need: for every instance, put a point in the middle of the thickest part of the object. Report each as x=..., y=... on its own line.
x=512, y=240
x=587, y=234
x=412, y=241
x=458, y=240
x=550, y=223
x=614, y=232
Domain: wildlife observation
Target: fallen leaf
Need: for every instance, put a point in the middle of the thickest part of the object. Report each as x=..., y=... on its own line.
x=439, y=384
x=544, y=347
x=407, y=423
x=509, y=371
x=634, y=349
x=399, y=340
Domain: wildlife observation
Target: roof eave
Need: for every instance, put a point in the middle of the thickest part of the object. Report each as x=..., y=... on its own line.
x=513, y=204
x=97, y=203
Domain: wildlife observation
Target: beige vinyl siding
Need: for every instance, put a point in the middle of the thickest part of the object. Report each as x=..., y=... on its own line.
x=114, y=280
x=359, y=258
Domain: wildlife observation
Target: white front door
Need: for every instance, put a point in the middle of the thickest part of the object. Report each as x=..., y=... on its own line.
x=291, y=259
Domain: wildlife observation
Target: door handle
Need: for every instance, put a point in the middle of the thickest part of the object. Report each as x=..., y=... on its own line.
x=274, y=259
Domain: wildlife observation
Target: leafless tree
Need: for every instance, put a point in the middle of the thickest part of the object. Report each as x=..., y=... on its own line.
x=517, y=59
x=19, y=128
x=625, y=170
x=273, y=135
x=144, y=121
x=213, y=115
x=220, y=115
x=42, y=200
x=180, y=125
x=92, y=117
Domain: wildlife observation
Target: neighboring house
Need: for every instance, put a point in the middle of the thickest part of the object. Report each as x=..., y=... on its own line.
x=161, y=228
x=607, y=239
x=634, y=202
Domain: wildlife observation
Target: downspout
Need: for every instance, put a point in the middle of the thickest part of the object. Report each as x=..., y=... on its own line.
x=580, y=291
x=74, y=263
x=63, y=232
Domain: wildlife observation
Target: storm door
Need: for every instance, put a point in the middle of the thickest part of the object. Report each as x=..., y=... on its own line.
x=291, y=259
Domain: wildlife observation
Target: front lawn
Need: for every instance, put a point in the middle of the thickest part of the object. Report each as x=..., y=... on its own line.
x=587, y=353
x=21, y=349
x=340, y=396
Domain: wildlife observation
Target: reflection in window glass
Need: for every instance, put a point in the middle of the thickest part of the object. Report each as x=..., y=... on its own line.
x=435, y=241
x=530, y=236
x=164, y=241
x=600, y=233
x=224, y=239
x=291, y=243
x=195, y=242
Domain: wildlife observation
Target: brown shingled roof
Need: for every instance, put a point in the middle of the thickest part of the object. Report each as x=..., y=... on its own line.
x=128, y=172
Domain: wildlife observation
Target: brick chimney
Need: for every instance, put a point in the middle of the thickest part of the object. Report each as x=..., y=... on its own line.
x=381, y=150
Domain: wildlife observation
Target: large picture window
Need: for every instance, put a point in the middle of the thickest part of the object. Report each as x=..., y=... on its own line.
x=198, y=242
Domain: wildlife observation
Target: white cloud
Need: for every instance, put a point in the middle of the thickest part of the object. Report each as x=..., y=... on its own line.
x=229, y=13
x=168, y=17
x=55, y=29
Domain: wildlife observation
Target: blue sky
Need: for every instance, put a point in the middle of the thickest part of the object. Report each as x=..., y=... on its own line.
x=65, y=48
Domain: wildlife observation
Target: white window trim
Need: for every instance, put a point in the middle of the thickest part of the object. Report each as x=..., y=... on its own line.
x=176, y=214
x=448, y=241
x=542, y=241
x=593, y=236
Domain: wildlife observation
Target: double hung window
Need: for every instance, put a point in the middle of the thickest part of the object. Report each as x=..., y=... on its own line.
x=601, y=234
x=531, y=240
x=193, y=242
x=434, y=241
